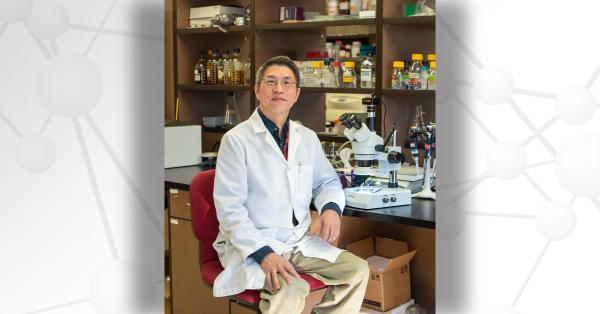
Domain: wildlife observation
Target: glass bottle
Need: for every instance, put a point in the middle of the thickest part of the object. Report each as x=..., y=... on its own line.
x=355, y=6
x=397, y=75
x=431, y=77
x=332, y=7
x=209, y=66
x=344, y=7
x=220, y=70
x=366, y=73
x=227, y=71
x=247, y=77
x=313, y=75
x=232, y=117
x=200, y=71
x=238, y=69
x=414, y=73
x=337, y=74
x=349, y=76
x=214, y=68
x=327, y=73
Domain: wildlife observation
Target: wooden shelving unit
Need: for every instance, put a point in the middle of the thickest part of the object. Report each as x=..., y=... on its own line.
x=313, y=25
x=412, y=21
x=216, y=88
x=214, y=30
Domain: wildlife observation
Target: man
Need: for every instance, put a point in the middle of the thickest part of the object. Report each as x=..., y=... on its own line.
x=268, y=170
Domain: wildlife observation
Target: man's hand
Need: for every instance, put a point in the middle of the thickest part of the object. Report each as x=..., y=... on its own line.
x=273, y=264
x=329, y=226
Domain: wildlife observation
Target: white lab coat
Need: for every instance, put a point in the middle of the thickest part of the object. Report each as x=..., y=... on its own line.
x=255, y=191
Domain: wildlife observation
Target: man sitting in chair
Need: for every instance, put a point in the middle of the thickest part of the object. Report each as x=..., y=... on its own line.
x=268, y=170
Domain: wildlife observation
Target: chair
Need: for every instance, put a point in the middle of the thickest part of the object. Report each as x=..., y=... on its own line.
x=206, y=228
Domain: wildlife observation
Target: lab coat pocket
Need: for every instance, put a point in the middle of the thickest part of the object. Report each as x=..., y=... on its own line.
x=304, y=185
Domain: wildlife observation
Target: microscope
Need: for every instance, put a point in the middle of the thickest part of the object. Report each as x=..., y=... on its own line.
x=368, y=147
x=422, y=132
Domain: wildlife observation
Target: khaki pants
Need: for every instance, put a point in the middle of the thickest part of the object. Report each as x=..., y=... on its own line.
x=347, y=280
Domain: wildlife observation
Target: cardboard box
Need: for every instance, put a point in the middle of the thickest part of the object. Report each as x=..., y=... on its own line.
x=389, y=283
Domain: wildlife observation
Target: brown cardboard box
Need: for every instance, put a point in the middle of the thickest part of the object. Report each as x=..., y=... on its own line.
x=389, y=287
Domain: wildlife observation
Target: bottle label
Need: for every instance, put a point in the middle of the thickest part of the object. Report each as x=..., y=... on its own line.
x=365, y=75
x=344, y=5
x=347, y=79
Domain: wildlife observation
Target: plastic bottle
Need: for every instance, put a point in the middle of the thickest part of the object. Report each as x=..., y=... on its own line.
x=414, y=73
x=431, y=77
x=332, y=7
x=430, y=57
x=424, y=75
x=312, y=75
x=349, y=76
x=327, y=77
x=366, y=73
x=397, y=75
x=355, y=48
x=200, y=71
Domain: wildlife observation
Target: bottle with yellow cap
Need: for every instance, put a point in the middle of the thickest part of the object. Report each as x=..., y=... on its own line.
x=431, y=77
x=399, y=75
x=349, y=76
x=414, y=73
x=312, y=77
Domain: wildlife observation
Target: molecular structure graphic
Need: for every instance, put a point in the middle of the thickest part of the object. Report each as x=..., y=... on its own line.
x=69, y=86
x=573, y=165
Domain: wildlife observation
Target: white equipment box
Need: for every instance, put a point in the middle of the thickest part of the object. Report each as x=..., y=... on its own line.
x=183, y=145
x=211, y=11
x=370, y=197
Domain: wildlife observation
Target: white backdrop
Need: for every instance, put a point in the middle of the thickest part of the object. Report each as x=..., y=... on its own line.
x=81, y=115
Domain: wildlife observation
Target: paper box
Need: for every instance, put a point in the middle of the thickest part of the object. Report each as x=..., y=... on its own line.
x=389, y=281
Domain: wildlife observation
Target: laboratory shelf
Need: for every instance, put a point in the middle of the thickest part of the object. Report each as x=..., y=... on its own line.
x=353, y=36
x=414, y=21
x=337, y=90
x=313, y=25
x=217, y=88
x=213, y=30
x=407, y=92
x=215, y=129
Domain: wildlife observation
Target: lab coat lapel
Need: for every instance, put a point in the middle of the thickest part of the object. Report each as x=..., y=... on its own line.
x=259, y=126
x=294, y=141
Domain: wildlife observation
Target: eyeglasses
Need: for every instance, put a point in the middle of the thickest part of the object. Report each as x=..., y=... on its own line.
x=285, y=83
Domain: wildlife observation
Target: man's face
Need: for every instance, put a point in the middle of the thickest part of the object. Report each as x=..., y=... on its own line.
x=278, y=91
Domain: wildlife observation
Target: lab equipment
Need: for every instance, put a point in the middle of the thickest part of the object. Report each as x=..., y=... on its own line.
x=232, y=116
x=183, y=145
x=349, y=76
x=414, y=72
x=366, y=73
x=422, y=132
x=368, y=147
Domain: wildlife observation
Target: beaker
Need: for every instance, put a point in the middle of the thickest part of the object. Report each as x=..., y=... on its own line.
x=232, y=117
